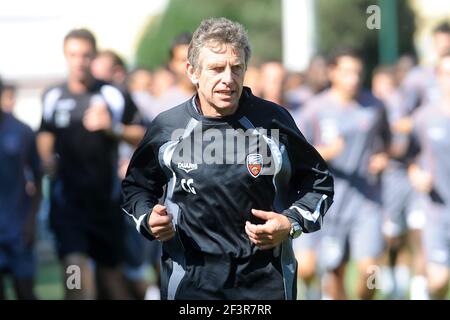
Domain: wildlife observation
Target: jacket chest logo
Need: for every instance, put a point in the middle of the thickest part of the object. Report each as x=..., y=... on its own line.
x=254, y=164
x=187, y=166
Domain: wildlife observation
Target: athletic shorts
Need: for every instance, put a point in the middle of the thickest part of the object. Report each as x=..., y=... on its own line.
x=402, y=205
x=139, y=252
x=355, y=237
x=307, y=241
x=99, y=235
x=17, y=259
x=436, y=234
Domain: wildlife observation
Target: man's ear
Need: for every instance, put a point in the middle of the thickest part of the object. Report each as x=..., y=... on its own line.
x=192, y=74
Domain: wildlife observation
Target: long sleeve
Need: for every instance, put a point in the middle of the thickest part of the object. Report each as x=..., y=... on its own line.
x=311, y=180
x=144, y=182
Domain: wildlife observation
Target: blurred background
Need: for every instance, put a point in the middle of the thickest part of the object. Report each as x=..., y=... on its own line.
x=290, y=32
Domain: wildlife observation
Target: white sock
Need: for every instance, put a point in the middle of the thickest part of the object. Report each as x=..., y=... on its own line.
x=313, y=291
x=419, y=288
x=152, y=293
x=402, y=277
x=387, y=281
x=301, y=290
x=325, y=295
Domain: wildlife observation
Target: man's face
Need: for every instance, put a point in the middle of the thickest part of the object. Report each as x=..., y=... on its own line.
x=383, y=85
x=103, y=68
x=179, y=60
x=444, y=74
x=442, y=43
x=219, y=77
x=346, y=75
x=141, y=82
x=79, y=54
x=8, y=100
x=272, y=80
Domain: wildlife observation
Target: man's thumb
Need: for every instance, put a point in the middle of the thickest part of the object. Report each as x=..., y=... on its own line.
x=265, y=215
x=160, y=210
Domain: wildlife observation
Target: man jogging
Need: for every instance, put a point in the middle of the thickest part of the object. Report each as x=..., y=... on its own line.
x=231, y=209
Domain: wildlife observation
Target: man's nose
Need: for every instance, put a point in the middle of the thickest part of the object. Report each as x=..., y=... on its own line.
x=227, y=76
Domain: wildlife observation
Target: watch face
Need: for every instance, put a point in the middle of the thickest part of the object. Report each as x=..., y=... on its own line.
x=296, y=230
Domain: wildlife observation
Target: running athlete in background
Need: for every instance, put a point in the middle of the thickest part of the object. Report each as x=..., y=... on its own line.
x=19, y=164
x=402, y=206
x=348, y=127
x=430, y=175
x=83, y=121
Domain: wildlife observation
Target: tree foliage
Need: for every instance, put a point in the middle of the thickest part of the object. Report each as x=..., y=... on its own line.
x=262, y=19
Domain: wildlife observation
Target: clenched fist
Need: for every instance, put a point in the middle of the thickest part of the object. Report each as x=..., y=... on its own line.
x=160, y=223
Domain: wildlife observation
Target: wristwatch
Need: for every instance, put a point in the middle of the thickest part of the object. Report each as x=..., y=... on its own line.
x=296, y=229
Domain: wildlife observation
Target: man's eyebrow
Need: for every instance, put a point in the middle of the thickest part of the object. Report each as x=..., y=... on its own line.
x=216, y=64
x=222, y=64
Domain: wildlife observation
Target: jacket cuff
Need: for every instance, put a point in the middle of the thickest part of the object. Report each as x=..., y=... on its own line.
x=143, y=227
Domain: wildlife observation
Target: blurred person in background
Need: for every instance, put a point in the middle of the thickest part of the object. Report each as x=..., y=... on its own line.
x=430, y=174
x=294, y=80
x=142, y=253
x=163, y=80
x=306, y=247
x=18, y=208
x=140, y=80
x=183, y=88
x=252, y=80
x=420, y=86
x=140, y=84
x=404, y=64
x=271, y=84
x=83, y=121
x=110, y=67
x=402, y=206
x=8, y=103
x=315, y=81
x=8, y=98
x=348, y=127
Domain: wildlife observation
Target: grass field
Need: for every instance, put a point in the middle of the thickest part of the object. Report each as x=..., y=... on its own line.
x=49, y=284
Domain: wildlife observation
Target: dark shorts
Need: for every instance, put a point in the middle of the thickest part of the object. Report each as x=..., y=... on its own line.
x=17, y=259
x=139, y=250
x=96, y=234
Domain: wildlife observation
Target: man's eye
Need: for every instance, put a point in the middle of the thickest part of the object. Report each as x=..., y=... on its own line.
x=236, y=69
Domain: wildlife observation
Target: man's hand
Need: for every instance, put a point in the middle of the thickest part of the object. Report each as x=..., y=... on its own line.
x=403, y=125
x=45, y=145
x=271, y=233
x=331, y=150
x=97, y=117
x=378, y=162
x=123, y=167
x=160, y=223
x=421, y=180
x=29, y=231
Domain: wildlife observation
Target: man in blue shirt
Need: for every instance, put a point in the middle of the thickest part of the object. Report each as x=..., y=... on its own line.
x=18, y=157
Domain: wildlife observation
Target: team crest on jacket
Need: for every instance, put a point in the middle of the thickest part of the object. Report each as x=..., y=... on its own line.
x=254, y=164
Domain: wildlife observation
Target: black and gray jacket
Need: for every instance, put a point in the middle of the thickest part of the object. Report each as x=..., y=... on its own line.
x=211, y=180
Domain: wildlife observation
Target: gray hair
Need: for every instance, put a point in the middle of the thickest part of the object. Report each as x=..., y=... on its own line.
x=217, y=31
